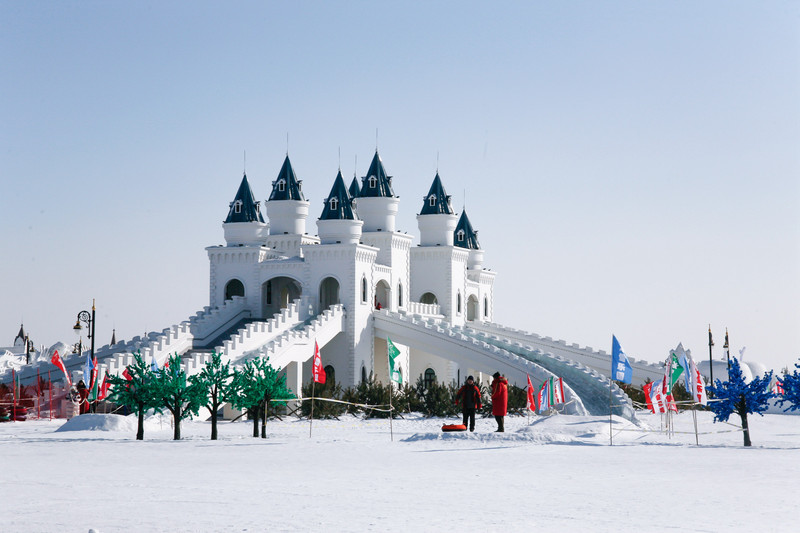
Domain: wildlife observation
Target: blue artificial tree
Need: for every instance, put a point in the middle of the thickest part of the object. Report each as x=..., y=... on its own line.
x=737, y=396
x=791, y=390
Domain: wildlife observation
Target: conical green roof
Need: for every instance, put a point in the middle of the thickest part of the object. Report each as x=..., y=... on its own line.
x=436, y=202
x=376, y=183
x=286, y=186
x=338, y=204
x=354, y=189
x=244, y=207
x=464, y=236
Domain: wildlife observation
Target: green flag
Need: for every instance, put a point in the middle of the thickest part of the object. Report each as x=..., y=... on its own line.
x=677, y=370
x=95, y=389
x=394, y=365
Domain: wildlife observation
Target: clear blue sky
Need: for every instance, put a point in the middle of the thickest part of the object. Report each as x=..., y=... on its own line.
x=632, y=167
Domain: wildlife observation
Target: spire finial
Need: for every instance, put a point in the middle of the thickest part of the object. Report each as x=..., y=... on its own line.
x=355, y=167
x=340, y=159
x=437, y=161
x=376, y=139
x=244, y=163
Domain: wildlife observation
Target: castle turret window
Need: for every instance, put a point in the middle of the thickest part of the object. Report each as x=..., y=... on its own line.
x=281, y=185
x=373, y=182
x=333, y=203
x=237, y=206
x=432, y=200
x=460, y=235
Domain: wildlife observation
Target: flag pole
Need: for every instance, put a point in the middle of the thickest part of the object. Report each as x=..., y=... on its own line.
x=311, y=419
x=694, y=415
x=391, y=388
x=50, y=396
x=710, y=359
x=610, y=412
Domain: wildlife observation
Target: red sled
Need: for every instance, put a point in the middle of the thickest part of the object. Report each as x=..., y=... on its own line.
x=454, y=427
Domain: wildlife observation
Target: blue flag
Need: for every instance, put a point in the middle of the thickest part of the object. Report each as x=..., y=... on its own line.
x=620, y=367
x=87, y=370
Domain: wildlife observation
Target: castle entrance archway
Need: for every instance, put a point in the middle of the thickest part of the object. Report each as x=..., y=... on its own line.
x=383, y=296
x=472, y=307
x=328, y=293
x=277, y=293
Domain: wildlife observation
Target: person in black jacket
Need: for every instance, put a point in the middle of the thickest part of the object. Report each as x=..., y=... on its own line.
x=470, y=397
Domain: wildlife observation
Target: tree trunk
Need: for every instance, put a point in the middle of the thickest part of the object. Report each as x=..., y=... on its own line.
x=214, y=409
x=745, y=429
x=140, y=426
x=264, y=421
x=176, y=419
x=254, y=410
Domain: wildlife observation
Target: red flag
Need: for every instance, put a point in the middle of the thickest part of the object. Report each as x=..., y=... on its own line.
x=531, y=399
x=56, y=360
x=104, y=387
x=318, y=371
x=126, y=374
x=646, y=388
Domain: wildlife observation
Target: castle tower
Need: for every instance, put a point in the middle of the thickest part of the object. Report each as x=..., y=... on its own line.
x=339, y=222
x=287, y=208
x=436, y=220
x=438, y=269
x=466, y=237
x=377, y=204
x=244, y=224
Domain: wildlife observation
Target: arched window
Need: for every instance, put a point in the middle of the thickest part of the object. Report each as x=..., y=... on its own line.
x=334, y=203
x=428, y=298
x=429, y=378
x=233, y=288
x=281, y=185
x=432, y=200
x=460, y=235
x=373, y=182
x=328, y=292
x=399, y=295
x=485, y=306
x=458, y=302
x=330, y=376
x=269, y=292
x=237, y=206
x=363, y=374
x=363, y=289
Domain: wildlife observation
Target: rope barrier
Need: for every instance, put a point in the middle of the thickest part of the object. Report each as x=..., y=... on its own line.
x=365, y=406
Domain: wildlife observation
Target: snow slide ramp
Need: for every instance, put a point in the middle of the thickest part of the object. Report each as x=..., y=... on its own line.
x=438, y=337
x=591, y=386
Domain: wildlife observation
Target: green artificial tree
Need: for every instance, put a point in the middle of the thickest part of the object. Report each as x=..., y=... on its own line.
x=215, y=379
x=254, y=387
x=182, y=397
x=135, y=390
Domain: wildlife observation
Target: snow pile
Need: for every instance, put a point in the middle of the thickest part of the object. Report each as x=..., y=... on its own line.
x=94, y=422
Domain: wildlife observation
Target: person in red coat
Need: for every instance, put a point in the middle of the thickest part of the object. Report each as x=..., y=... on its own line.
x=499, y=399
x=470, y=397
x=83, y=394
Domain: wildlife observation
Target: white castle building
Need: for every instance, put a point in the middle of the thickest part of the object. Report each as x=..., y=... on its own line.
x=275, y=290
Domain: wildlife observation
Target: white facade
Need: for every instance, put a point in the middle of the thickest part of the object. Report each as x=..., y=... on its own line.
x=361, y=263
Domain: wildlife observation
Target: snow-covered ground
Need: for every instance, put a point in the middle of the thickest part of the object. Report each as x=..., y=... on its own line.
x=554, y=474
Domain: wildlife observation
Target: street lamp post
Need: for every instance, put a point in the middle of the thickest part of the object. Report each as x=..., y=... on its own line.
x=89, y=320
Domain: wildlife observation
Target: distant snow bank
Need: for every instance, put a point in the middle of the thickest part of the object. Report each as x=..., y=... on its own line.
x=94, y=422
